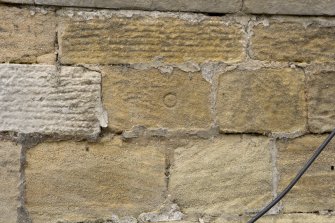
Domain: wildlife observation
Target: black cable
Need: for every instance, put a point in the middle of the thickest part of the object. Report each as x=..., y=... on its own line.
x=295, y=180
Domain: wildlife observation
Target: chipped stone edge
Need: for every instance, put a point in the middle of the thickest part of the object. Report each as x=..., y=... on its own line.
x=89, y=14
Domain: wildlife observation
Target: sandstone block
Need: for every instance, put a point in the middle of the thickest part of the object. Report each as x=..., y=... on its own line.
x=292, y=41
x=152, y=99
x=289, y=218
x=40, y=99
x=77, y=181
x=303, y=218
x=9, y=181
x=315, y=190
x=26, y=34
x=116, y=38
x=215, y=176
x=321, y=100
x=290, y=7
x=263, y=100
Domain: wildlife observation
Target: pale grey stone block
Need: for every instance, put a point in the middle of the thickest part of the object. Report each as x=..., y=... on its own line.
x=115, y=4
x=42, y=99
x=290, y=7
x=18, y=1
x=214, y=6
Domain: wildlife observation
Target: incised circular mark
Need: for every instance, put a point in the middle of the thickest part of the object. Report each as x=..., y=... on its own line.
x=170, y=100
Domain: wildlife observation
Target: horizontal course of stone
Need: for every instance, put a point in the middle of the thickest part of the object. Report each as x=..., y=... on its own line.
x=290, y=7
x=226, y=177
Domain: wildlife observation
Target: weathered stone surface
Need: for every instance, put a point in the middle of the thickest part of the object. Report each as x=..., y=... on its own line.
x=315, y=190
x=76, y=181
x=292, y=41
x=9, y=181
x=168, y=212
x=152, y=99
x=119, y=38
x=321, y=100
x=113, y=219
x=114, y=4
x=263, y=100
x=18, y=1
x=223, y=6
x=26, y=34
x=290, y=7
x=289, y=218
x=304, y=218
x=40, y=99
x=214, y=176
x=243, y=219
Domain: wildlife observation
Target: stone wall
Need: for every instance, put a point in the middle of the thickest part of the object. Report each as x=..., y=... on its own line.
x=155, y=111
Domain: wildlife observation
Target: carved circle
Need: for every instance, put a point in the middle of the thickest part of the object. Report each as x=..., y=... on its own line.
x=170, y=100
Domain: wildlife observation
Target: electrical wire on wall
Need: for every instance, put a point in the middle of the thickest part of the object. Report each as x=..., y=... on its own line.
x=295, y=180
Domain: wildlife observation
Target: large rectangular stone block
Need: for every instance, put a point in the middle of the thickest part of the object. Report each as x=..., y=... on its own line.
x=290, y=7
x=152, y=99
x=41, y=99
x=321, y=100
x=315, y=190
x=262, y=100
x=222, y=6
x=9, y=181
x=230, y=174
x=77, y=181
x=111, y=37
x=291, y=40
x=27, y=35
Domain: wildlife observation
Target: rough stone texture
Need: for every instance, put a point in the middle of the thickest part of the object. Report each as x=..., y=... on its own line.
x=116, y=39
x=26, y=35
x=292, y=41
x=214, y=177
x=18, y=1
x=321, y=100
x=166, y=213
x=113, y=219
x=304, y=218
x=284, y=218
x=39, y=99
x=317, y=185
x=114, y=4
x=9, y=181
x=76, y=181
x=263, y=100
x=244, y=219
x=152, y=99
x=290, y=7
x=222, y=6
